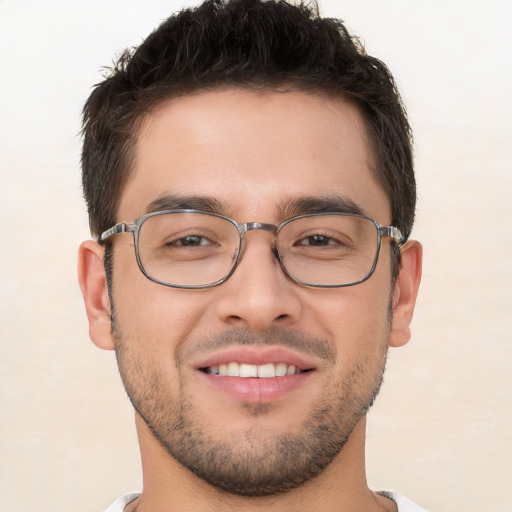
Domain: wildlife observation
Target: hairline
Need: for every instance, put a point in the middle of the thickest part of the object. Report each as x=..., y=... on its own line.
x=374, y=158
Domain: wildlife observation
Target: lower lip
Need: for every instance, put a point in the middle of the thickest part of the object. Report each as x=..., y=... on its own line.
x=255, y=390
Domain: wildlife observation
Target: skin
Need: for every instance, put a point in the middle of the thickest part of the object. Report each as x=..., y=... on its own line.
x=251, y=151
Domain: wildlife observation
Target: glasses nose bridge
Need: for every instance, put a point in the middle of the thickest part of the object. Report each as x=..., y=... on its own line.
x=245, y=227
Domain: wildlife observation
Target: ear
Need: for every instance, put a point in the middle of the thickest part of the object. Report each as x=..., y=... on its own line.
x=405, y=293
x=93, y=283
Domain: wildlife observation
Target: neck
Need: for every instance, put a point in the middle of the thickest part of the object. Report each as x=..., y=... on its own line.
x=169, y=486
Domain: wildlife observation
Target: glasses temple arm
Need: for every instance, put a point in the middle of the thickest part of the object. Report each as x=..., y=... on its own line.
x=394, y=233
x=115, y=230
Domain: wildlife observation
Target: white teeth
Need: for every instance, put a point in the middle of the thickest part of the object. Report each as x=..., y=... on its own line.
x=281, y=369
x=233, y=370
x=264, y=371
x=248, y=370
x=290, y=370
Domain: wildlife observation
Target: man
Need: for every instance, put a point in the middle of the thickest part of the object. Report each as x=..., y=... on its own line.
x=249, y=180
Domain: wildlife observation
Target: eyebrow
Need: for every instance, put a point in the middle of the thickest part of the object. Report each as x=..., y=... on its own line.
x=285, y=210
x=318, y=204
x=178, y=202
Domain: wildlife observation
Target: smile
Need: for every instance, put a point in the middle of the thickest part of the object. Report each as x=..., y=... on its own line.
x=263, y=371
x=256, y=373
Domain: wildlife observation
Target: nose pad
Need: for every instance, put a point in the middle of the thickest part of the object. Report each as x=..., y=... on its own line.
x=243, y=229
x=239, y=255
x=275, y=252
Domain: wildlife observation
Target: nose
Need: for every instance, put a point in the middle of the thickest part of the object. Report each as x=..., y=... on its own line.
x=259, y=295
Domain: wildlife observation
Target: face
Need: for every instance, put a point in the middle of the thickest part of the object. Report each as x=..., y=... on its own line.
x=252, y=155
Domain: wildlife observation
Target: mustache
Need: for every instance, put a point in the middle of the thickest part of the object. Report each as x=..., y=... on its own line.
x=303, y=342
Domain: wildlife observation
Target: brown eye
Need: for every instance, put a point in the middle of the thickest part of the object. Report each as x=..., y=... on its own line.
x=317, y=240
x=190, y=241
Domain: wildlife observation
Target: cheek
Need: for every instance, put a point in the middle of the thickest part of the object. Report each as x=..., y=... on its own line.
x=356, y=318
x=159, y=316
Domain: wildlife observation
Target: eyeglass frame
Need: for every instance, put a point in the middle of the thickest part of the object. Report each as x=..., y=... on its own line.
x=243, y=228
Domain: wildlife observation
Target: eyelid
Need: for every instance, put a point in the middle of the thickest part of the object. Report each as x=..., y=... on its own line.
x=174, y=241
x=325, y=231
x=327, y=237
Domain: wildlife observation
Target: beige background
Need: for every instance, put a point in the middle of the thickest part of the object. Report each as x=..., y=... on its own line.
x=439, y=432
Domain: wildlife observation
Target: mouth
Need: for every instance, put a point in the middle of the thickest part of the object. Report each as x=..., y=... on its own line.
x=256, y=374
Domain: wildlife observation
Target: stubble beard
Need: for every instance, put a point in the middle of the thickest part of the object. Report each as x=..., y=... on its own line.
x=250, y=464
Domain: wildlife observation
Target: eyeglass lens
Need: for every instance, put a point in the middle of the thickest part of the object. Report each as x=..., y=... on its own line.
x=195, y=249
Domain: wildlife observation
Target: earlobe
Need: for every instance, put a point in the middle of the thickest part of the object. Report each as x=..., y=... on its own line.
x=405, y=293
x=93, y=283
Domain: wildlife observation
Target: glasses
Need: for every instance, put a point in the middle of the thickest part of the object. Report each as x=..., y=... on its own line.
x=195, y=249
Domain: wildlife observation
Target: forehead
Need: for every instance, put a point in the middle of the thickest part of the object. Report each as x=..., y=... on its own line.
x=251, y=152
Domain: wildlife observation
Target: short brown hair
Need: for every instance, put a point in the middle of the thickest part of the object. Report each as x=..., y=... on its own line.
x=242, y=43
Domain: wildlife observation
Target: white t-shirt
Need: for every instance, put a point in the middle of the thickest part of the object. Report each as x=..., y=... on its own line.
x=404, y=504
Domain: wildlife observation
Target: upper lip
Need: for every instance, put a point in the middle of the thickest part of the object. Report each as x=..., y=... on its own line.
x=256, y=355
